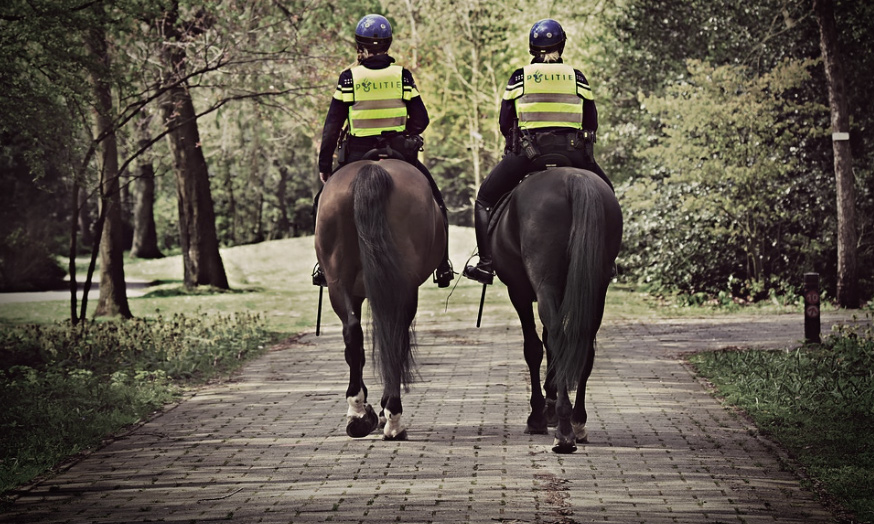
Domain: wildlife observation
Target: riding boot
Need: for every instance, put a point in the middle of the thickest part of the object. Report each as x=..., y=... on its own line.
x=444, y=273
x=483, y=271
x=318, y=275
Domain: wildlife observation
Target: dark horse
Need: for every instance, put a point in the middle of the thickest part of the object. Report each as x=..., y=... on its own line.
x=555, y=242
x=379, y=235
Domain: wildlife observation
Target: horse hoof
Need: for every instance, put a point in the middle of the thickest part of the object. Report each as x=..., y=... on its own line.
x=564, y=447
x=400, y=436
x=360, y=427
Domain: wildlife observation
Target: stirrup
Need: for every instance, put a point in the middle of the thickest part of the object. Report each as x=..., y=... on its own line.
x=483, y=275
x=319, y=276
x=443, y=275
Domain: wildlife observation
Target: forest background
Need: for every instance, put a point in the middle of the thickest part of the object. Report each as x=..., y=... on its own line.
x=202, y=122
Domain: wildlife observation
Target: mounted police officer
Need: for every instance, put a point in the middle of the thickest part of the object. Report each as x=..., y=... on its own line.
x=377, y=107
x=547, y=109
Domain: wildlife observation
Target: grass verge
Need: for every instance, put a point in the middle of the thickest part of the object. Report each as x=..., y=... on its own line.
x=817, y=401
x=64, y=388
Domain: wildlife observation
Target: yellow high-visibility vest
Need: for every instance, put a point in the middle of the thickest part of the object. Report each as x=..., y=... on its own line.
x=378, y=100
x=549, y=96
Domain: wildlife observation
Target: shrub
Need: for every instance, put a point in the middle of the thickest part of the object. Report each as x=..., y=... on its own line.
x=733, y=204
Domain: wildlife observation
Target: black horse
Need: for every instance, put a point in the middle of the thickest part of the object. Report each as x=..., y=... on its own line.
x=379, y=235
x=555, y=241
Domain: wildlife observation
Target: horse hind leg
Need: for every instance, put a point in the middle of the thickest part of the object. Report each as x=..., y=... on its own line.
x=549, y=387
x=394, y=376
x=361, y=419
x=392, y=410
x=533, y=351
x=579, y=415
x=565, y=439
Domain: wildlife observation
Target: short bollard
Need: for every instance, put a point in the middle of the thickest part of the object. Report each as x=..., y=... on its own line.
x=811, y=308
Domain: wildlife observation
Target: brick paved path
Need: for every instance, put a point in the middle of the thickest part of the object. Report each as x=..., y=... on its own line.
x=270, y=446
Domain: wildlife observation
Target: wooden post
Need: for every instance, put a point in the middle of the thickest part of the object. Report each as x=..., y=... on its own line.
x=811, y=308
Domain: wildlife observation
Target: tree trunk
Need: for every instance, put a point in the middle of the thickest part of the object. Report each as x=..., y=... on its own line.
x=145, y=241
x=71, y=267
x=230, y=233
x=84, y=218
x=848, y=289
x=197, y=233
x=283, y=226
x=113, y=292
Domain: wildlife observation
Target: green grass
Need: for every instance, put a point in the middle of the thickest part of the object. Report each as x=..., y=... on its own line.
x=273, y=279
x=817, y=401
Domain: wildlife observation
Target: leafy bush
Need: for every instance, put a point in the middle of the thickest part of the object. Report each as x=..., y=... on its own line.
x=33, y=222
x=65, y=387
x=27, y=263
x=732, y=204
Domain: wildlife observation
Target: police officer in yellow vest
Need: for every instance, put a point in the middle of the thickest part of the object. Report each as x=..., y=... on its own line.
x=547, y=108
x=380, y=106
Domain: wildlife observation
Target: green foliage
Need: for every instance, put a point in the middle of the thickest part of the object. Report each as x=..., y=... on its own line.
x=30, y=236
x=648, y=43
x=43, y=96
x=730, y=205
x=647, y=54
x=64, y=388
x=818, y=401
x=182, y=346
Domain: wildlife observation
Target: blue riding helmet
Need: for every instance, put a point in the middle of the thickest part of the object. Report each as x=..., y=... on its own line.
x=373, y=32
x=546, y=36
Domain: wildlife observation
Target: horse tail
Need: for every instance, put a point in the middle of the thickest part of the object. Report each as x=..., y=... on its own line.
x=385, y=282
x=580, y=312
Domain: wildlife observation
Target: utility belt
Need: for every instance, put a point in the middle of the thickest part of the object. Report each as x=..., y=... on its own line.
x=535, y=143
x=389, y=144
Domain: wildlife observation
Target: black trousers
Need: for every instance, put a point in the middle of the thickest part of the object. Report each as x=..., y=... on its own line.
x=514, y=166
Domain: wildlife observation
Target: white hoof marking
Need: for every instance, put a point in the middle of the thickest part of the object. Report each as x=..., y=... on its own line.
x=393, y=426
x=357, y=405
x=580, y=432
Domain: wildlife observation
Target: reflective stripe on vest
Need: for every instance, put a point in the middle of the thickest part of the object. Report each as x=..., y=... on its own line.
x=549, y=97
x=378, y=101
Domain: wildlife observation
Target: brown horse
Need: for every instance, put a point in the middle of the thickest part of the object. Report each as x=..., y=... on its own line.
x=555, y=242
x=379, y=235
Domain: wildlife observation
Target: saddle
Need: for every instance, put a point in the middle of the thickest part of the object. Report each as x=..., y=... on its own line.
x=397, y=146
x=382, y=153
x=541, y=163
